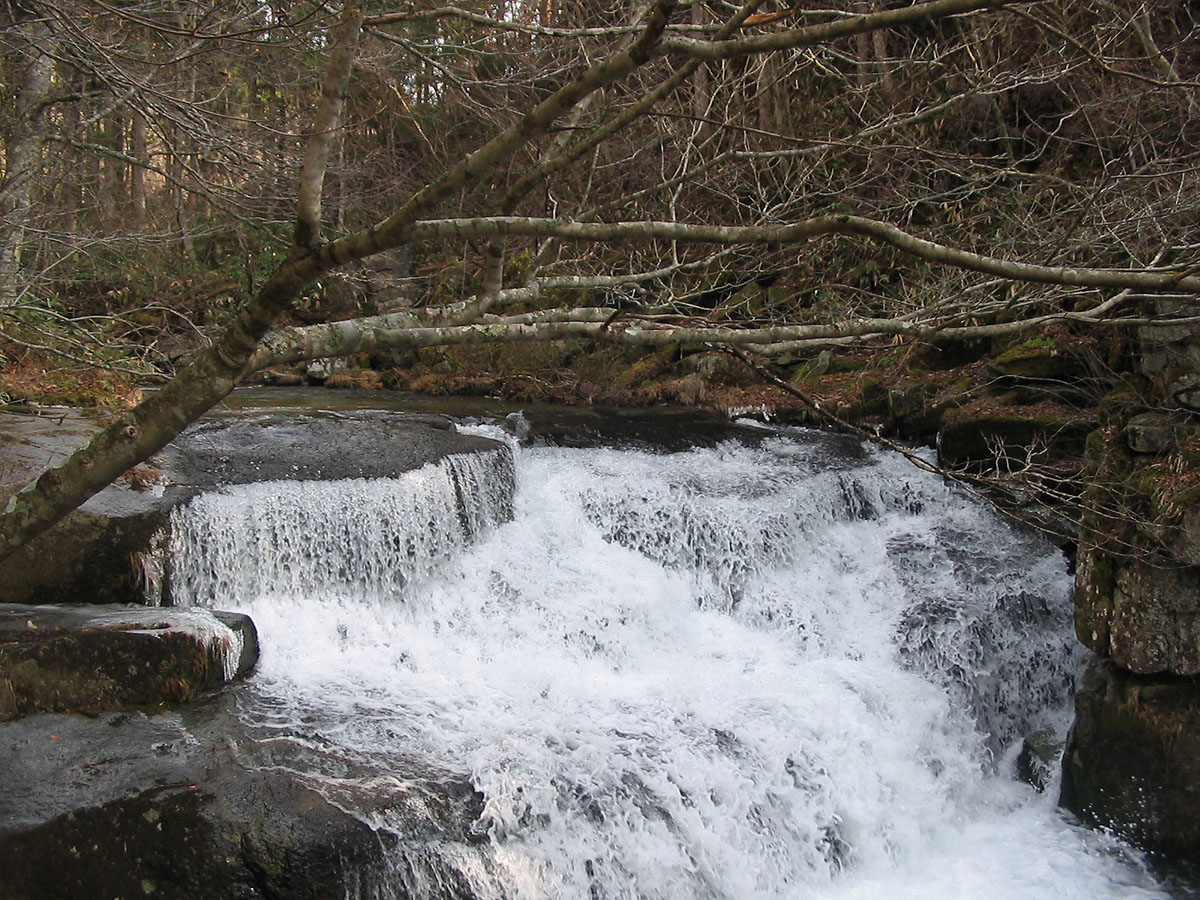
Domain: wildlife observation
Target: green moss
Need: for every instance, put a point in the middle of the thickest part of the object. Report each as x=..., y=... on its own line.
x=1040, y=342
x=1034, y=363
x=847, y=364
x=1117, y=407
x=1095, y=446
x=644, y=370
x=1188, y=498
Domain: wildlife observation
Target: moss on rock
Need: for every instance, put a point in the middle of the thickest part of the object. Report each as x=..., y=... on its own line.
x=1144, y=614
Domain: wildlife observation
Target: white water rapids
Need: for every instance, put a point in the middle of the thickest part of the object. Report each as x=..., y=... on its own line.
x=790, y=669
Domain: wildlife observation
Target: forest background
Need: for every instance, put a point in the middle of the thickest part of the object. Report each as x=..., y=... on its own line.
x=876, y=205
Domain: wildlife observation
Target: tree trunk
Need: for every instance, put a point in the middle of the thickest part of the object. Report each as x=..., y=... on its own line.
x=137, y=173
x=213, y=374
x=23, y=154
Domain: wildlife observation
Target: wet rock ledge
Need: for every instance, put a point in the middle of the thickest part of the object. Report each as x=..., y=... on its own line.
x=127, y=765
x=111, y=549
x=192, y=804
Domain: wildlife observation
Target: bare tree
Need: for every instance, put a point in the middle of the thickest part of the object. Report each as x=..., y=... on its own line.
x=35, y=46
x=628, y=173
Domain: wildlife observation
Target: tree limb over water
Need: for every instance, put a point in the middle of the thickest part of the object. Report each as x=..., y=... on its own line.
x=556, y=169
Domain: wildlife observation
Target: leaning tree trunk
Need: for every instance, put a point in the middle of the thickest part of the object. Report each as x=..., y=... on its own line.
x=214, y=373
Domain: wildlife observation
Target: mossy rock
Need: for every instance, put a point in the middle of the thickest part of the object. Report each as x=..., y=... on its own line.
x=291, y=377
x=96, y=559
x=1156, y=432
x=645, y=369
x=1119, y=406
x=910, y=415
x=1030, y=375
x=1144, y=614
x=719, y=368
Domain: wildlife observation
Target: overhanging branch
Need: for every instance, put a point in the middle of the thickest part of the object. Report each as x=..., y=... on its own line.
x=1175, y=281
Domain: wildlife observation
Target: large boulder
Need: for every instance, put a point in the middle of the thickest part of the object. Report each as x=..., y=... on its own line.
x=90, y=556
x=1155, y=432
x=1132, y=763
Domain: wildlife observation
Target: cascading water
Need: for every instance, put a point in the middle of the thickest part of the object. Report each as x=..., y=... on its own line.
x=769, y=669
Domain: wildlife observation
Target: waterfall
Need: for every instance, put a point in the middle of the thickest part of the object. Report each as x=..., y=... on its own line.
x=356, y=539
x=774, y=669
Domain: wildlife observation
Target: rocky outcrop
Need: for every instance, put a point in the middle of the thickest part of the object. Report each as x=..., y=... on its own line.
x=92, y=658
x=1143, y=614
x=102, y=800
x=98, y=558
x=1132, y=762
x=1033, y=374
x=1006, y=442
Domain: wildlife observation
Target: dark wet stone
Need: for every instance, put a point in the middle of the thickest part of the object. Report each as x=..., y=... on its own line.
x=1132, y=762
x=974, y=443
x=197, y=805
x=1035, y=762
x=290, y=446
x=89, y=557
x=91, y=658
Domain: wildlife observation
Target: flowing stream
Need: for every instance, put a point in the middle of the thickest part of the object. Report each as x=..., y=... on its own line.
x=779, y=667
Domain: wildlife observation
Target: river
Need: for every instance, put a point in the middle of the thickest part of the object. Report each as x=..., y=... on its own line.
x=780, y=665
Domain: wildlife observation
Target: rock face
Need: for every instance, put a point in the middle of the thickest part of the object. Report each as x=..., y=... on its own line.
x=97, y=551
x=1143, y=615
x=91, y=658
x=98, y=558
x=1132, y=762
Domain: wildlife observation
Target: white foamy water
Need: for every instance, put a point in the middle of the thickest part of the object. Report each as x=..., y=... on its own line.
x=742, y=672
